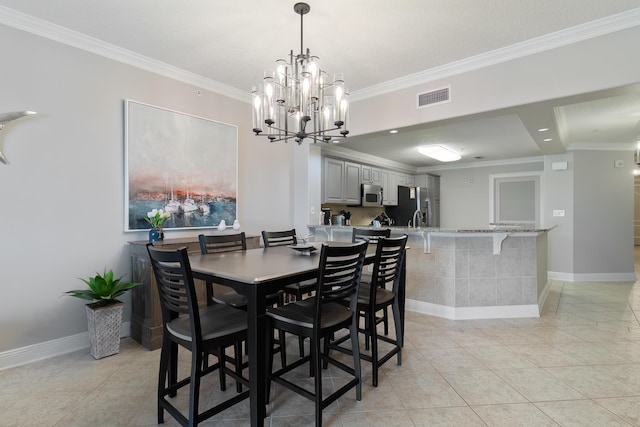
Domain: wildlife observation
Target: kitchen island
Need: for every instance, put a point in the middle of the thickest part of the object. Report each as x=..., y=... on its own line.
x=469, y=273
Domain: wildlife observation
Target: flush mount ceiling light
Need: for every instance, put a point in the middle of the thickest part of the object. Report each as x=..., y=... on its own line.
x=440, y=153
x=298, y=100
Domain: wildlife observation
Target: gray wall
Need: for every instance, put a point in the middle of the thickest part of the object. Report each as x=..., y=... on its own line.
x=62, y=195
x=603, y=212
x=464, y=193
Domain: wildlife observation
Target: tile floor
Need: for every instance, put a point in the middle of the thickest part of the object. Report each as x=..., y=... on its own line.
x=576, y=365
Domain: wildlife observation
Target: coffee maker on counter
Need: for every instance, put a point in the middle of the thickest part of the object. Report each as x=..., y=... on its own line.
x=325, y=216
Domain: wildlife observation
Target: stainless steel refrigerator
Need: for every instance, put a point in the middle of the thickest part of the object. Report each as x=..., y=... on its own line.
x=425, y=201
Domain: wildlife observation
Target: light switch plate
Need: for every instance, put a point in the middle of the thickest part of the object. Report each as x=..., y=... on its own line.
x=618, y=163
x=558, y=212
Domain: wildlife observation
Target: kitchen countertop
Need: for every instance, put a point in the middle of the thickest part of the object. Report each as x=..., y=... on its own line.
x=410, y=230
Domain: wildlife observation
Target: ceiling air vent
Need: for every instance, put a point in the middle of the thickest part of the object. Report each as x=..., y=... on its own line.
x=434, y=97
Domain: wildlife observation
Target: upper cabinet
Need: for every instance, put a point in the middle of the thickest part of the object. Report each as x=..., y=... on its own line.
x=390, y=182
x=341, y=182
x=371, y=175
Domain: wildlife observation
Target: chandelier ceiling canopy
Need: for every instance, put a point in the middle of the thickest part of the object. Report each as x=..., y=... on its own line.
x=298, y=100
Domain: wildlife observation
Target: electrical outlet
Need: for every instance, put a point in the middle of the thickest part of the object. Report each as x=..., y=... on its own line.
x=558, y=212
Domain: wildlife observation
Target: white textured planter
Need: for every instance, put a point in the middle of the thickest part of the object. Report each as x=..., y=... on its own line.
x=104, y=329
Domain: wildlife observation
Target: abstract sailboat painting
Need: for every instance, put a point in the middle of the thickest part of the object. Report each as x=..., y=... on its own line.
x=183, y=164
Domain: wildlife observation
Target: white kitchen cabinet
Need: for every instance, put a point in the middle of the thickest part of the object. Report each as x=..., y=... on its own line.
x=410, y=181
x=390, y=181
x=420, y=180
x=341, y=182
x=371, y=175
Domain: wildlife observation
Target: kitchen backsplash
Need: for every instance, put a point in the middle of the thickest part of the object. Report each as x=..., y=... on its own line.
x=359, y=215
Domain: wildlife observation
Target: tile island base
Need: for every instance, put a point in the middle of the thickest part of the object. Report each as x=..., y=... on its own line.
x=469, y=274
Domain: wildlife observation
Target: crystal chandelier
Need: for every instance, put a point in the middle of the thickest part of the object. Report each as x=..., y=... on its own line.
x=297, y=100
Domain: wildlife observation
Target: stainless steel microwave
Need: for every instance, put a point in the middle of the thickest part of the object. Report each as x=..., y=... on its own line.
x=371, y=195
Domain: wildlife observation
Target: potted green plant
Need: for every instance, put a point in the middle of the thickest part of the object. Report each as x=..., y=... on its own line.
x=104, y=313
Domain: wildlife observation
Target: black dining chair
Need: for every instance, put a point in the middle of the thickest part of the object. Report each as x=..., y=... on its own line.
x=318, y=318
x=372, y=235
x=207, y=330
x=369, y=234
x=230, y=243
x=297, y=290
x=383, y=292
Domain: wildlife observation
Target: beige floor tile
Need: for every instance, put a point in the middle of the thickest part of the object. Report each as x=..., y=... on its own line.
x=429, y=339
x=580, y=413
x=424, y=391
x=592, y=382
x=591, y=353
x=500, y=357
x=627, y=408
x=452, y=359
x=538, y=385
x=513, y=415
x=474, y=337
x=377, y=419
x=445, y=417
x=628, y=374
x=412, y=361
x=482, y=388
x=545, y=355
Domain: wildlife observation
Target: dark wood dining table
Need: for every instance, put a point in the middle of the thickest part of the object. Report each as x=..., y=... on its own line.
x=257, y=273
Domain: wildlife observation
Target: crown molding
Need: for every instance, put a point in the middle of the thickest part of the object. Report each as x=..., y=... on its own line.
x=589, y=30
x=602, y=146
x=554, y=40
x=481, y=164
x=66, y=36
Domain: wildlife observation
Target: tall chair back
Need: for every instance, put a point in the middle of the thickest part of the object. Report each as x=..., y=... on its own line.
x=175, y=286
x=369, y=235
x=279, y=238
x=390, y=252
x=222, y=243
x=340, y=272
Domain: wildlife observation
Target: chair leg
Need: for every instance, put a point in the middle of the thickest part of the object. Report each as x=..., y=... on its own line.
x=385, y=320
x=355, y=350
x=316, y=360
x=269, y=369
x=374, y=346
x=237, y=354
x=165, y=361
x=221, y=364
x=283, y=347
x=173, y=367
x=367, y=326
x=301, y=346
x=194, y=386
x=399, y=332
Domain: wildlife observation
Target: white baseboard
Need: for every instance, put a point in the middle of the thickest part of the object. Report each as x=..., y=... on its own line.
x=468, y=313
x=47, y=349
x=591, y=277
x=542, y=298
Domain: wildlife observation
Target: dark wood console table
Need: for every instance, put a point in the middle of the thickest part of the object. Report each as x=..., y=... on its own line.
x=146, y=319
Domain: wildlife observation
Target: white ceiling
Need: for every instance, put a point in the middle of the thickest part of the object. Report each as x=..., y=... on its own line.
x=372, y=42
